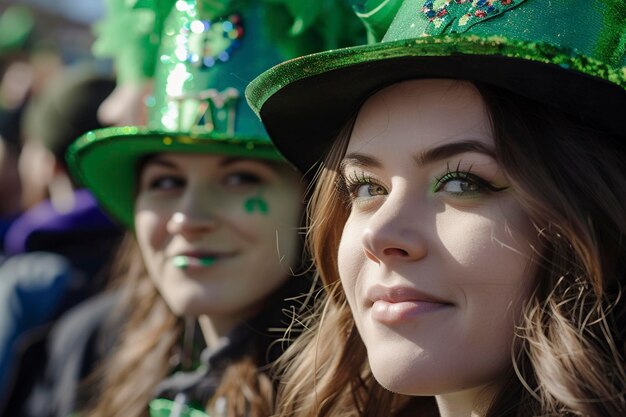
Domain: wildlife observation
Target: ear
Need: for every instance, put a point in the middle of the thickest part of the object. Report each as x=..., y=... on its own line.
x=126, y=105
x=61, y=189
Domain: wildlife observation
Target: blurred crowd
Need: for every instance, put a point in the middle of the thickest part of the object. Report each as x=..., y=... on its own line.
x=55, y=243
x=162, y=255
x=75, y=66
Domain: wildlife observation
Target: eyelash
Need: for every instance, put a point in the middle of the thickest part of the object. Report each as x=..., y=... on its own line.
x=247, y=178
x=157, y=183
x=235, y=179
x=456, y=174
x=350, y=184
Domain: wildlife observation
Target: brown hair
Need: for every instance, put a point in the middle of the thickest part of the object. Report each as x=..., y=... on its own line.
x=148, y=348
x=568, y=354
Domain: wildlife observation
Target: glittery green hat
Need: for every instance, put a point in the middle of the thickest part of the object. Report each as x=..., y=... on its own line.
x=209, y=52
x=567, y=53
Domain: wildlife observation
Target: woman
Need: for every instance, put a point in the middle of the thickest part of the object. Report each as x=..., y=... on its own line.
x=468, y=221
x=214, y=213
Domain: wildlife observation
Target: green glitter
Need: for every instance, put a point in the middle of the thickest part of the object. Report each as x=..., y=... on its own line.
x=163, y=40
x=570, y=56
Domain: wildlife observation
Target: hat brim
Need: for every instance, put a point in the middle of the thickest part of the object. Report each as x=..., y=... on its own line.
x=106, y=160
x=304, y=103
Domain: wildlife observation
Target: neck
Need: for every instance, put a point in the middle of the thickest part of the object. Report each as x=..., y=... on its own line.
x=214, y=330
x=215, y=327
x=469, y=403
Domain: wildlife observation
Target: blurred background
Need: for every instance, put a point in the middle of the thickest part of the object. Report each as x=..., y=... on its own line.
x=55, y=243
x=39, y=39
x=59, y=27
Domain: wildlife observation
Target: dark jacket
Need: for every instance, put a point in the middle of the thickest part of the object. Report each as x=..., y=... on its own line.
x=32, y=287
x=84, y=334
x=85, y=239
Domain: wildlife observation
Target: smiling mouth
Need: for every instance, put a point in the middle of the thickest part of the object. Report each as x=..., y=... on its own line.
x=394, y=305
x=391, y=313
x=184, y=262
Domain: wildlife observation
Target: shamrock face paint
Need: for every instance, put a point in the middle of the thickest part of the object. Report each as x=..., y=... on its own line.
x=256, y=204
x=205, y=247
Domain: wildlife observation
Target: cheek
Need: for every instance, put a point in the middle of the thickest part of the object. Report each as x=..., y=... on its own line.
x=277, y=230
x=151, y=232
x=350, y=258
x=491, y=256
x=287, y=244
x=495, y=246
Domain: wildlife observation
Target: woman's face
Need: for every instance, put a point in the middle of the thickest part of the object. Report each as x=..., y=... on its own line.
x=217, y=234
x=434, y=257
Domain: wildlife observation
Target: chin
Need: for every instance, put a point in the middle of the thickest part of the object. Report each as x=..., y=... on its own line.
x=410, y=382
x=182, y=310
x=187, y=306
x=407, y=371
x=199, y=304
x=416, y=373
x=396, y=379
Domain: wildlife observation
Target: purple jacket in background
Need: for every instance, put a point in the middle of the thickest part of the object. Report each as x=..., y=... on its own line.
x=34, y=294
x=43, y=219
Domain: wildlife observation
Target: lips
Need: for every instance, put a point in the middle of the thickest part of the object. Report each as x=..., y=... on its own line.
x=399, y=294
x=184, y=262
x=393, y=305
x=198, y=259
x=200, y=253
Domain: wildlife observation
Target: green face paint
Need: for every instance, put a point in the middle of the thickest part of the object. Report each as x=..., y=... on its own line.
x=207, y=261
x=256, y=203
x=183, y=262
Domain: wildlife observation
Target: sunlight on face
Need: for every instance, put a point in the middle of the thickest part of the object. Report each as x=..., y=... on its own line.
x=434, y=258
x=217, y=234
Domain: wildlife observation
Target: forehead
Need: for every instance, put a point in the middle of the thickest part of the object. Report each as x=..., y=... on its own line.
x=200, y=160
x=182, y=159
x=422, y=114
x=199, y=164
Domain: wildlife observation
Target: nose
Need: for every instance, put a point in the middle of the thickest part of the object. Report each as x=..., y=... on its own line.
x=193, y=215
x=394, y=232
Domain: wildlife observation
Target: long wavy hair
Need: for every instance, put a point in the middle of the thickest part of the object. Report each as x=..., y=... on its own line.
x=149, y=348
x=568, y=351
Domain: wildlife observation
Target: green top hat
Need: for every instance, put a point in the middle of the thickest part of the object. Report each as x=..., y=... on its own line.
x=17, y=24
x=570, y=54
x=206, y=60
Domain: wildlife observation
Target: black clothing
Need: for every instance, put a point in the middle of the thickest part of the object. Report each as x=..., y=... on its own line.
x=84, y=335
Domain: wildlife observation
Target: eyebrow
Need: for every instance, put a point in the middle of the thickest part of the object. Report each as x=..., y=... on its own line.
x=424, y=157
x=157, y=160
x=230, y=160
x=160, y=160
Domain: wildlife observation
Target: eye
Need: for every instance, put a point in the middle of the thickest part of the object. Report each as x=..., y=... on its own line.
x=458, y=186
x=368, y=190
x=359, y=185
x=164, y=183
x=464, y=183
x=241, y=179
